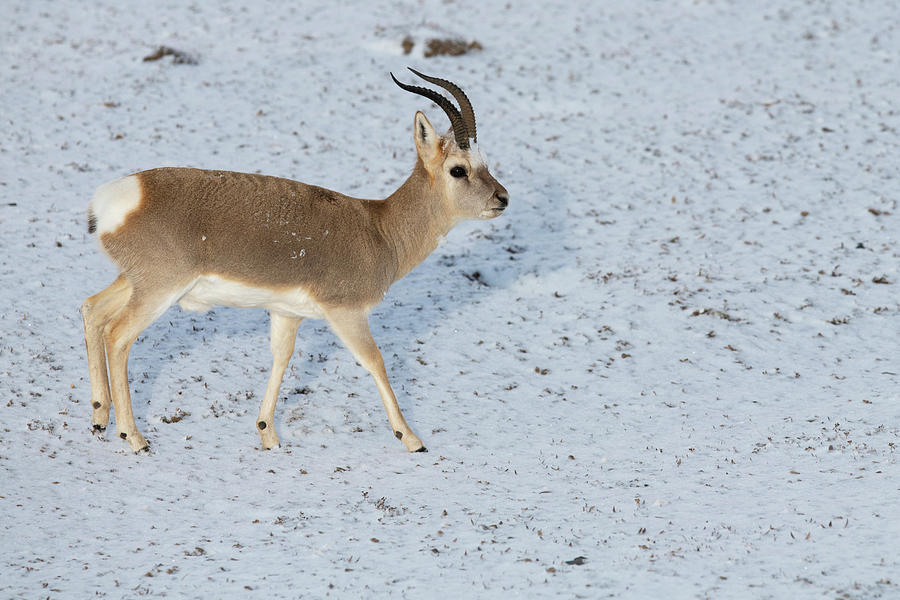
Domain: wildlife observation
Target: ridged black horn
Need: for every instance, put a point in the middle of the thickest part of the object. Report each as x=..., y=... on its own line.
x=456, y=121
x=465, y=107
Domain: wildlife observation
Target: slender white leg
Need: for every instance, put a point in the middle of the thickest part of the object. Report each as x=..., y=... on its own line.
x=96, y=313
x=352, y=326
x=283, y=335
x=121, y=331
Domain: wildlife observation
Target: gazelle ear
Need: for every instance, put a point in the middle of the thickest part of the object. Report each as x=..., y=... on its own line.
x=427, y=139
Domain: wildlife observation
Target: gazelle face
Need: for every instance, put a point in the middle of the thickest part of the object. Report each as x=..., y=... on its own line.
x=470, y=188
x=453, y=162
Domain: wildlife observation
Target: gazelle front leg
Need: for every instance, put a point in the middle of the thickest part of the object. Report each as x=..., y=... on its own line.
x=283, y=335
x=352, y=326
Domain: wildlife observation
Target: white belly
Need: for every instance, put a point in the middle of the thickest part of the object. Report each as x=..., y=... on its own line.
x=210, y=290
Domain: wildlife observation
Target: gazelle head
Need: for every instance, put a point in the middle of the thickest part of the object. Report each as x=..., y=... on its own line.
x=454, y=165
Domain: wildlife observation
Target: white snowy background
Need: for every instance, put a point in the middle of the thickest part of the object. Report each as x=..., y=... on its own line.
x=674, y=356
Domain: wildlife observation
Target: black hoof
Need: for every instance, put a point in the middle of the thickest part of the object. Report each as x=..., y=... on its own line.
x=145, y=450
x=422, y=449
x=97, y=428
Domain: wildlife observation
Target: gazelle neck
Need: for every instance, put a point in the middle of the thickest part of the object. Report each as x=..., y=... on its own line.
x=414, y=219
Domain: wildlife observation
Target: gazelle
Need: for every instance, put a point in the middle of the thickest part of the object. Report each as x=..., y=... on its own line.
x=207, y=238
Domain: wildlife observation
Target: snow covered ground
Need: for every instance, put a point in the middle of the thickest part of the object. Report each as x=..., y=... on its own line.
x=675, y=356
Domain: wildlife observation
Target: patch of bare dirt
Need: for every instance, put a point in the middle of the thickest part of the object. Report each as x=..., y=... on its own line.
x=178, y=57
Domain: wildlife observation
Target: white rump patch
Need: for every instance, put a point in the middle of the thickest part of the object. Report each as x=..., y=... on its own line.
x=114, y=201
x=211, y=290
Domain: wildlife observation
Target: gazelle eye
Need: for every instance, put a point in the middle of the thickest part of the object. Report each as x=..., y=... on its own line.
x=458, y=171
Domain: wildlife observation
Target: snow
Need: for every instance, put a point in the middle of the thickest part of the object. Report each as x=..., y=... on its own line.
x=675, y=355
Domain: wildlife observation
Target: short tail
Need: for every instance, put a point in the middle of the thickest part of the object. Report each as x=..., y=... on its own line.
x=92, y=221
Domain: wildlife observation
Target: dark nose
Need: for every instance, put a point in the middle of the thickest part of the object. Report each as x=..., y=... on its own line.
x=503, y=199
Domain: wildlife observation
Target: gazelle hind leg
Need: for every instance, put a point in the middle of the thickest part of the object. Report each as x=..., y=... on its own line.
x=283, y=336
x=96, y=313
x=352, y=326
x=120, y=333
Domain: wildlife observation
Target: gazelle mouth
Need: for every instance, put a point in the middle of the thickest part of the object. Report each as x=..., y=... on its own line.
x=490, y=213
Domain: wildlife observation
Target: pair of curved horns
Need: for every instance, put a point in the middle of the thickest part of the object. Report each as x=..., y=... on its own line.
x=462, y=120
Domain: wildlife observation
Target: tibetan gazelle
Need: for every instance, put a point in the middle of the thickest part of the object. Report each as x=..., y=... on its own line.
x=207, y=238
